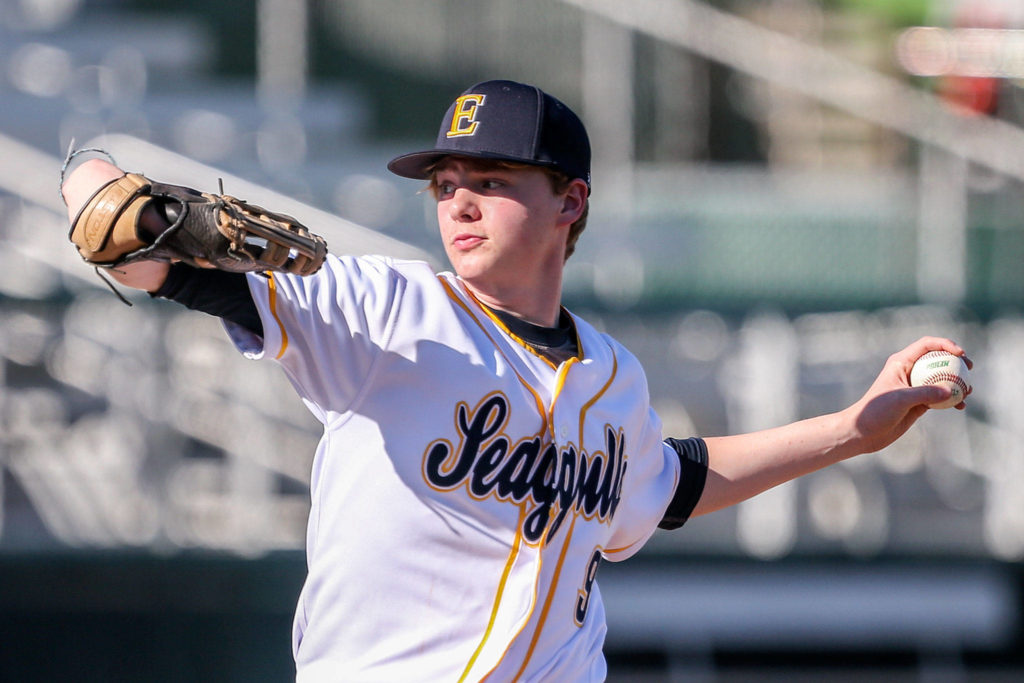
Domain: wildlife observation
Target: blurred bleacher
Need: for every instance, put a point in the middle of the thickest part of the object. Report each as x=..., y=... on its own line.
x=762, y=272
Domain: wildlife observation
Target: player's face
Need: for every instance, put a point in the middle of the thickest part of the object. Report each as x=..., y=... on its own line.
x=503, y=229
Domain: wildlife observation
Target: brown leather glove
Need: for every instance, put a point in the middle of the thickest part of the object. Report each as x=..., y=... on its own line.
x=202, y=230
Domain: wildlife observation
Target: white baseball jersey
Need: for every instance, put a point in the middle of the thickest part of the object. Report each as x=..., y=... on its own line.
x=465, y=488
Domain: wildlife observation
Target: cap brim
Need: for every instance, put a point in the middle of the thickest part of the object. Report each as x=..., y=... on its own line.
x=416, y=164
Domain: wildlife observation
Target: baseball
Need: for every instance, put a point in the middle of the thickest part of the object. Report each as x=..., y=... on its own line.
x=941, y=367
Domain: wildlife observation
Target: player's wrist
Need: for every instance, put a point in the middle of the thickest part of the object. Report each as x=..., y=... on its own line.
x=145, y=275
x=841, y=435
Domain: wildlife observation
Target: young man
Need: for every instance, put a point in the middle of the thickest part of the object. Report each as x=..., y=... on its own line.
x=484, y=449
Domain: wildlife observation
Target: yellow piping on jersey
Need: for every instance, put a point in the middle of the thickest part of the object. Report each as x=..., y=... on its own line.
x=548, y=418
x=519, y=340
x=272, y=289
x=599, y=394
x=545, y=426
x=615, y=551
x=533, y=604
x=560, y=382
x=568, y=535
x=516, y=546
x=547, y=601
x=615, y=367
x=522, y=380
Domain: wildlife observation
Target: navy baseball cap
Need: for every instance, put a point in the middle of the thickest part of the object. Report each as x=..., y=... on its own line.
x=506, y=121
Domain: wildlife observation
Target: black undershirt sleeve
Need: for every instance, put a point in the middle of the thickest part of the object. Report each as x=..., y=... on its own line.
x=693, y=461
x=217, y=292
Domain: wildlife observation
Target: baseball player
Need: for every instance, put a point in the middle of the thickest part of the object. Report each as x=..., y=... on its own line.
x=484, y=449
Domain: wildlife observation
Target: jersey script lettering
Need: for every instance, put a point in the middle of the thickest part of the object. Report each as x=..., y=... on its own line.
x=556, y=482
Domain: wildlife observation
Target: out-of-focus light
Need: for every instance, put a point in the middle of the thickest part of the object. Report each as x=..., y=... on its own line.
x=766, y=525
x=33, y=413
x=975, y=52
x=75, y=125
x=834, y=503
x=205, y=135
x=30, y=233
x=25, y=337
x=702, y=336
x=124, y=77
x=281, y=51
x=619, y=276
x=83, y=482
x=834, y=337
x=47, y=14
x=123, y=329
x=281, y=144
x=905, y=455
x=228, y=504
x=675, y=419
x=86, y=90
x=1004, y=518
x=41, y=70
x=368, y=200
x=24, y=278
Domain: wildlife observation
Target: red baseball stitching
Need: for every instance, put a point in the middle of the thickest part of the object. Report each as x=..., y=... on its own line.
x=947, y=377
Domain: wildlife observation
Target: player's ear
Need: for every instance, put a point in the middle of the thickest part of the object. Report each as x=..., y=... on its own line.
x=574, y=200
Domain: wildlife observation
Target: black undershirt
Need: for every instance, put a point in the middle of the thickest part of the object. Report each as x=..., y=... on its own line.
x=227, y=296
x=557, y=344
x=217, y=292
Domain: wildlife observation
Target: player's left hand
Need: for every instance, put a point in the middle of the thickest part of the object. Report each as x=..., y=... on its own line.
x=890, y=406
x=203, y=230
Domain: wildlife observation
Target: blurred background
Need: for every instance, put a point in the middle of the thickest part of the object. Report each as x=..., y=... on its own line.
x=785, y=192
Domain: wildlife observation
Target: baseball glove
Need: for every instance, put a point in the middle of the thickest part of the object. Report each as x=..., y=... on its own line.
x=203, y=230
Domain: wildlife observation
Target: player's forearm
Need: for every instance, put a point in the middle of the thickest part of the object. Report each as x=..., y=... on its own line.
x=146, y=275
x=80, y=185
x=744, y=465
